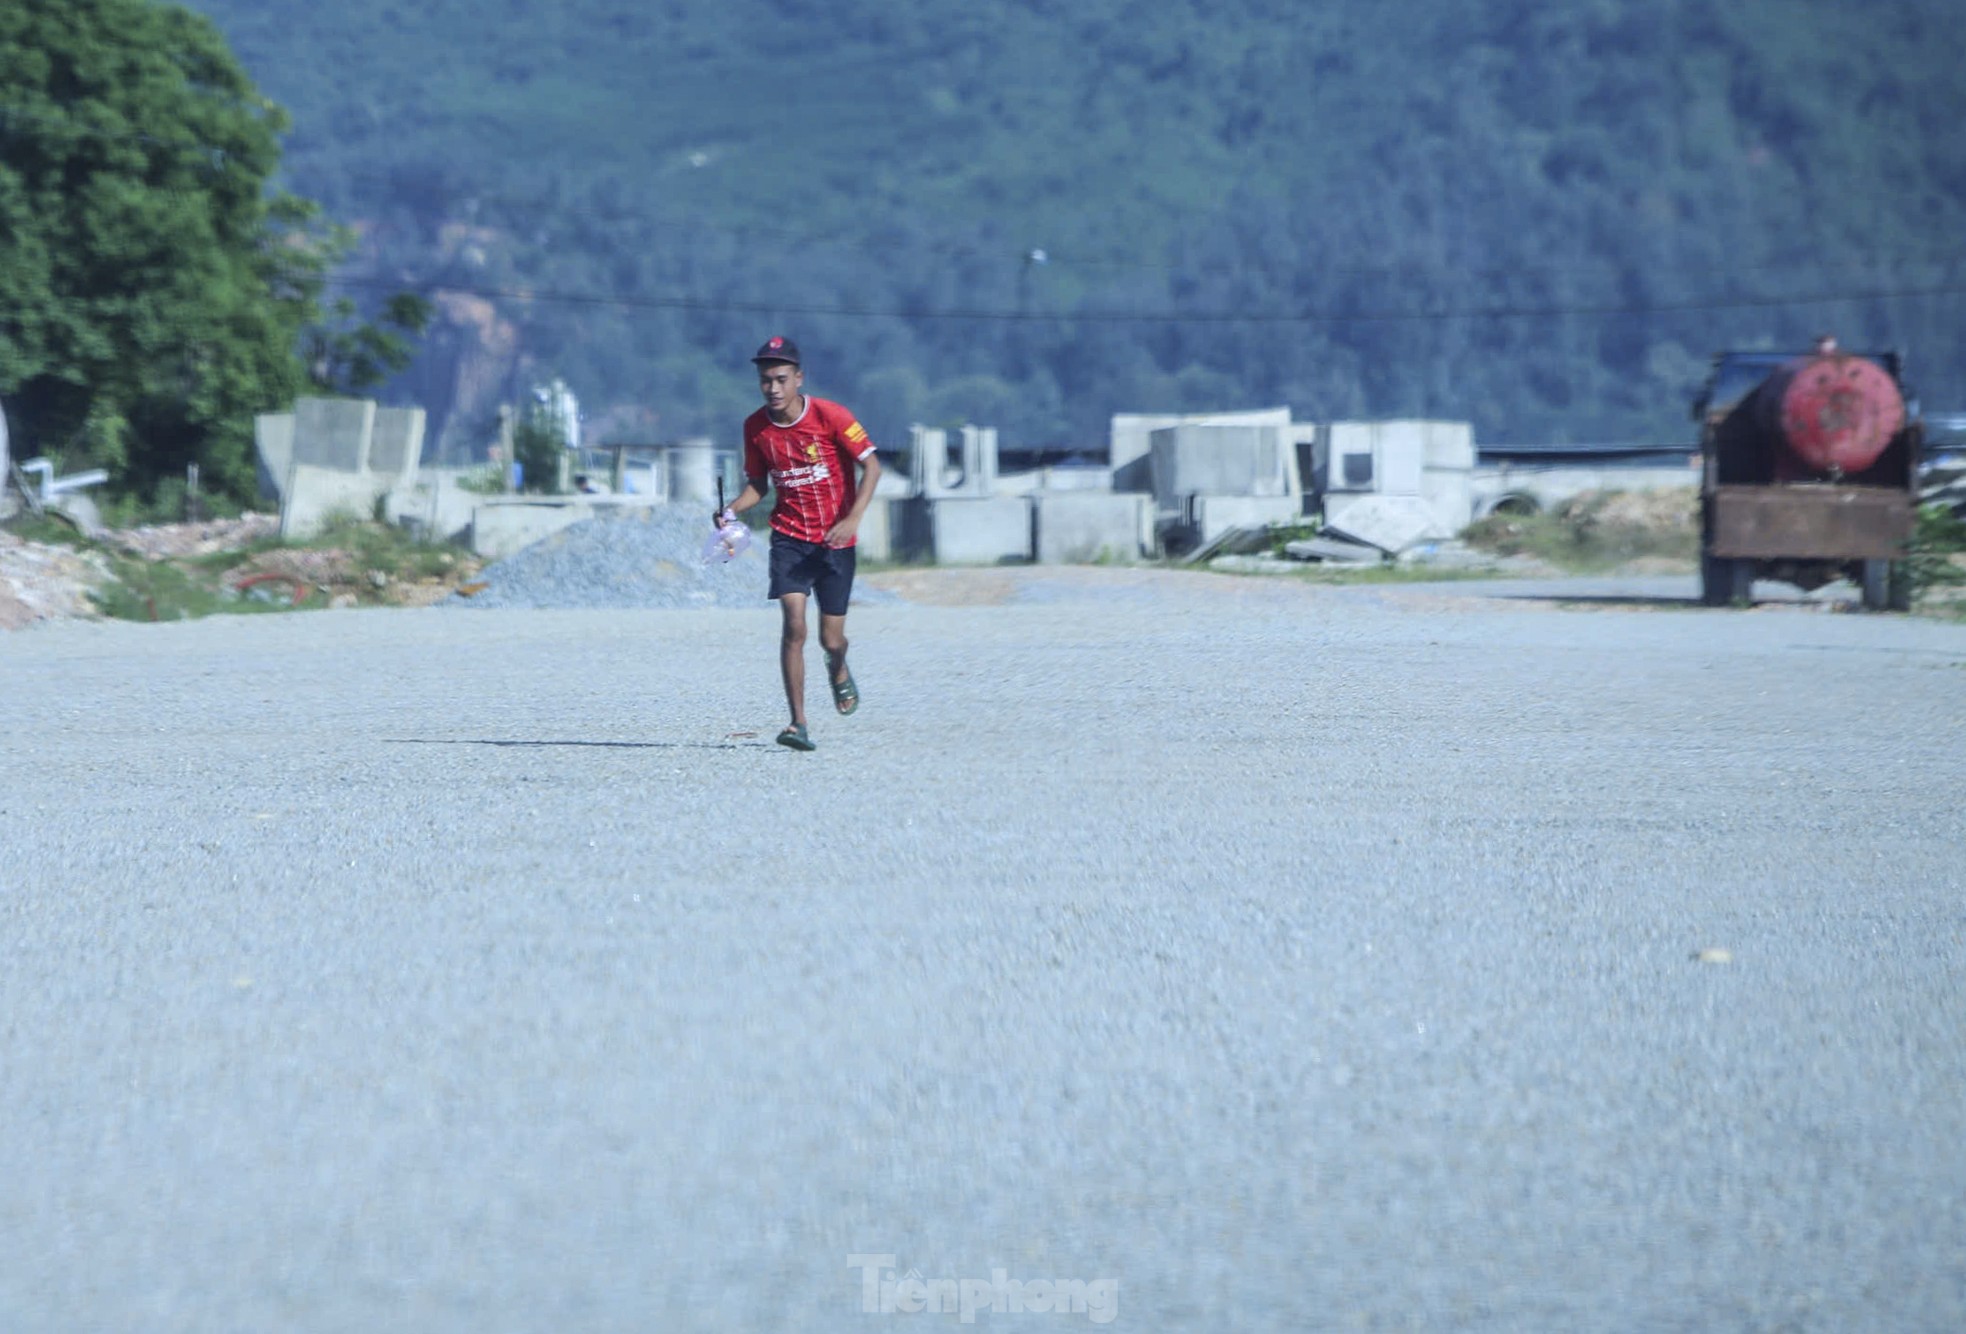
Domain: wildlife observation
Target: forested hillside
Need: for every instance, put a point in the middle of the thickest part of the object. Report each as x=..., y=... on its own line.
x=1542, y=217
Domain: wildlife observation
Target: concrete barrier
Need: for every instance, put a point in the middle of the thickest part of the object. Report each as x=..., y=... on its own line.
x=980, y=531
x=273, y=440
x=334, y=432
x=1130, y=439
x=1448, y=494
x=334, y=456
x=1078, y=527
x=437, y=507
x=876, y=538
x=501, y=527
x=1211, y=460
x=314, y=496
x=396, y=445
x=1210, y=516
x=933, y=476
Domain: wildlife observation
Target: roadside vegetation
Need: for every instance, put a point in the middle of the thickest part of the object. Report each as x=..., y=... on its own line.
x=165, y=573
x=1938, y=562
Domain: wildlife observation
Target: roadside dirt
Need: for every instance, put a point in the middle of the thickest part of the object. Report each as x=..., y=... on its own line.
x=39, y=582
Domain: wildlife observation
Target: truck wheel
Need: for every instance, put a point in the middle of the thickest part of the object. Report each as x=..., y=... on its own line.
x=1884, y=588
x=1724, y=582
x=1713, y=580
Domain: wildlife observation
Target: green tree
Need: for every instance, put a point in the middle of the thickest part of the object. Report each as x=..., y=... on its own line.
x=346, y=355
x=536, y=446
x=153, y=288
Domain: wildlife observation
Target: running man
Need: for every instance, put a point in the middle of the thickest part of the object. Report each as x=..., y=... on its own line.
x=809, y=450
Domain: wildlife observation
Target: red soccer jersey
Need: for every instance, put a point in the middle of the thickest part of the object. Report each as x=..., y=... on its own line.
x=810, y=464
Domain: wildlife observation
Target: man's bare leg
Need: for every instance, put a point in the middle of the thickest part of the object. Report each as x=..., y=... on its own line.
x=832, y=638
x=792, y=654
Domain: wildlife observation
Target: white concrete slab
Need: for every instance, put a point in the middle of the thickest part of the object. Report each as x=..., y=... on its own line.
x=1391, y=523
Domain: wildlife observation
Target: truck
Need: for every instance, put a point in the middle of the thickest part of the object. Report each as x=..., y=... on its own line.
x=1809, y=473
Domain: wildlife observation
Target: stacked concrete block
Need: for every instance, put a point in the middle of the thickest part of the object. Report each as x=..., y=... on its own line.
x=1447, y=478
x=877, y=530
x=979, y=446
x=1208, y=517
x=1130, y=448
x=1199, y=460
x=1079, y=527
x=980, y=531
x=273, y=434
x=1042, y=481
x=1231, y=470
x=396, y=445
x=437, y=506
x=1130, y=442
x=334, y=433
x=1379, y=458
x=1077, y=479
x=911, y=529
x=316, y=496
x=928, y=461
x=974, y=477
x=335, y=457
x=1394, y=483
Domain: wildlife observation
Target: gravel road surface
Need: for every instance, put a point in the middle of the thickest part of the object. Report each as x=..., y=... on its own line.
x=1291, y=957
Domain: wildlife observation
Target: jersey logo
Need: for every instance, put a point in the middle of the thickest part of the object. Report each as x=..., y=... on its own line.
x=812, y=451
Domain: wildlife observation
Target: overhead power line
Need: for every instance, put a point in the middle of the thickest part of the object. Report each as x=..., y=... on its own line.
x=776, y=309
x=1944, y=251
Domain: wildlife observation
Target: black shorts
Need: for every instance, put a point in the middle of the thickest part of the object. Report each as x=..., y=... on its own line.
x=809, y=567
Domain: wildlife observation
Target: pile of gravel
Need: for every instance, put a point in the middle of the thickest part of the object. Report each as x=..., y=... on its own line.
x=641, y=557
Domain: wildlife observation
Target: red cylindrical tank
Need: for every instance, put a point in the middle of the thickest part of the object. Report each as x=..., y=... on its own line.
x=1834, y=412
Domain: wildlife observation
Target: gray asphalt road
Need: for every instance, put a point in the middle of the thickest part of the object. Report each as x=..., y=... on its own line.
x=1291, y=958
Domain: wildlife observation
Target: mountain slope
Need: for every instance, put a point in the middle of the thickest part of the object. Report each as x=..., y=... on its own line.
x=1540, y=219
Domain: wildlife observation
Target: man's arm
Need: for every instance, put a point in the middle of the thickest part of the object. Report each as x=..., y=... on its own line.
x=842, y=532
x=752, y=493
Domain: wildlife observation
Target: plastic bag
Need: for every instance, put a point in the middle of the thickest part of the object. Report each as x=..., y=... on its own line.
x=727, y=543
